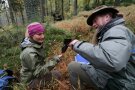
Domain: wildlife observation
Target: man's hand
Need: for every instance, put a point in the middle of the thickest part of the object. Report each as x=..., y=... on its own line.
x=72, y=43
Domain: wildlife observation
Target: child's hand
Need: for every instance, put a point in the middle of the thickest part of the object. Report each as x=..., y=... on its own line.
x=57, y=58
x=60, y=55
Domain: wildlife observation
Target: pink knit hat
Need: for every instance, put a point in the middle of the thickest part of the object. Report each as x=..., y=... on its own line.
x=35, y=28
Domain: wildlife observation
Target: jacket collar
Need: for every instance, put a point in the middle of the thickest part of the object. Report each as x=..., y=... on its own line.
x=30, y=43
x=113, y=22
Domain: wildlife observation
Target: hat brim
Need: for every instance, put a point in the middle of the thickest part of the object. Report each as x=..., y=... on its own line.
x=100, y=12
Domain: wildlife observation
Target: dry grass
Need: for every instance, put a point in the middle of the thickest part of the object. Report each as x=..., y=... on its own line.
x=64, y=83
x=77, y=23
x=128, y=12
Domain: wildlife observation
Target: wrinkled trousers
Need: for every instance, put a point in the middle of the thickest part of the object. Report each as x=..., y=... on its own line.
x=83, y=75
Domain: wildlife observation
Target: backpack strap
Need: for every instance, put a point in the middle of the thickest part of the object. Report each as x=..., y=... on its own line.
x=2, y=73
x=7, y=78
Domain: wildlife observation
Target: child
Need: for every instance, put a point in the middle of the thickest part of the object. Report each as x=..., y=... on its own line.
x=35, y=69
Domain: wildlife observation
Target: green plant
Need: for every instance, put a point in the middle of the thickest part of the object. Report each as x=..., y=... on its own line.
x=53, y=36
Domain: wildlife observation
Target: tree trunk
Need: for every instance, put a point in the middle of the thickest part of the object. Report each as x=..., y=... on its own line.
x=69, y=4
x=16, y=18
x=0, y=21
x=57, y=6
x=51, y=7
x=117, y=2
x=32, y=11
x=11, y=12
x=85, y=2
x=7, y=17
x=42, y=10
x=96, y=3
x=23, y=21
x=75, y=8
x=6, y=11
x=46, y=7
x=62, y=9
x=103, y=2
x=86, y=5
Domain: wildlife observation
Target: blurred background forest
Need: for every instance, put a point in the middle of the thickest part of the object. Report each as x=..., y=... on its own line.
x=62, y=19
x=25, y=11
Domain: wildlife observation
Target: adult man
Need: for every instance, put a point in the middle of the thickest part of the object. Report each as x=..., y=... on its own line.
x=112, y=60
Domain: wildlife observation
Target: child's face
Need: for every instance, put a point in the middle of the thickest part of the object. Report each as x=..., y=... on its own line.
x=26, y=33
x=39, y=37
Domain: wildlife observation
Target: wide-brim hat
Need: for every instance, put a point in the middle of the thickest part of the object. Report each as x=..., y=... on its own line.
x=100, y=11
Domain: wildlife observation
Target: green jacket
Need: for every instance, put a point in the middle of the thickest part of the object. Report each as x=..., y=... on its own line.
x=33, y=62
